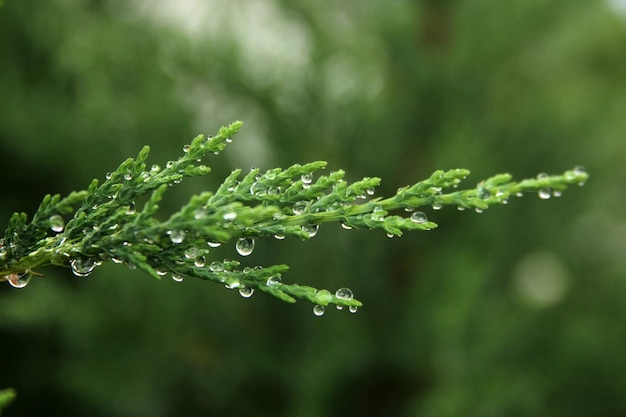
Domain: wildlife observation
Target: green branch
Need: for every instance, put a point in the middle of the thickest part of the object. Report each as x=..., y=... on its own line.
x=104, y=224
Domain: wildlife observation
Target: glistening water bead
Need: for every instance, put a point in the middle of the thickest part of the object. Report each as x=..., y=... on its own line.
x=244, y=246
x=246, y=292
x=318, y=310
x=83, y=267
x=344, y=294
x=19, y=280
x=176, y=236
x=56, y=223
x=419, y=217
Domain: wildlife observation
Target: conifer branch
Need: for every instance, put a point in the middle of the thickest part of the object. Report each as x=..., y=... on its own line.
x=104, y=224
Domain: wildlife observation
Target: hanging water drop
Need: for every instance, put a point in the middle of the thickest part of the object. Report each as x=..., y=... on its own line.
x=370, y=191
x=274, y=281
x=483, y=193
x=557, y=193
x=307, y=179
x=437, y=206
x=279, y=237
x=177, y=277
x=128, y=176
x=176, y=236
x=108, y=175
x=244, y=246
x=161, y=271
x=246, y=292
x=200, y=261
x=346, y=226
x=419, y=217
x=353, y=309
x=19, y=280
x=311, y=230
x=56, y=223
x=318, y=310
x=544, y=193
x=214, y=244
x=186, y=148
x=155, y=168
x=169, y=164
x=339, y=307
x=299, y=207
x=344, y=294
x=82, y=267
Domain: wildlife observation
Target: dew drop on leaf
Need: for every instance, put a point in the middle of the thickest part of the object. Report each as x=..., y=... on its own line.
x=419, y=217
x=274, y=281
x=176, y=236
x=311, y=230
x=178, y=277
x=56, y=223
x=344, y=294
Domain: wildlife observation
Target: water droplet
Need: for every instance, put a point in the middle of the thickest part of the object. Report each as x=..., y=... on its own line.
x=437, y=206
x=19, y=280
x=108, y=175
x=216, y=266
x=169, y=164
x=177, y=277
x=131, y=208
x=161, y=271
x=279, y=237
x=390, y=235
x=370, y=191
x=244, y=246
x=344, y=294
x=191, y=253
x=318, y=310
x=557, y=193
x=409, y=209
x=483, y=193
x=256, y=188
x=176, y=236
x=200, y=261
x=542, y=176
x=128, y=176
x=339, y=307
x=199, y=214
x=155, y=168
x=311, y=229
x=117, y=260
x=229, y=140
x=345, y=226
x=519, y=194
x=378, y=214
x=230, y=216
x=299, y=207
x=353, y=309
x=307, y=179
x=82, y=267
x=246, y=292
x=274, y=281
x=186, y=148
x=460, y=208
x=478, y=210
x=419, y=217
x=56, y=223
x=544, y=193
x=214, y=244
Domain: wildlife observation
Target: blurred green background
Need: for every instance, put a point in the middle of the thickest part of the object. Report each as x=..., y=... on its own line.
x=515, y=312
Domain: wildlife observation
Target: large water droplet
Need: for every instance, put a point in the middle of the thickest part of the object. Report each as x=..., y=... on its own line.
x=419, y=217
x=216, y=266
x=370, y=191
x=274, y=281
x=56, y=223
x=437, y=206
x=19, y=280
x=186, y=148
x=82, y=267
x=178, y=277
x=176, y=236
x=128, y=176
x=246, y=292
x=311, y=230
x=191, y=253
x=353, y=309
x=378, y=214
x=344, y=294
x=299, y=207
x=544, y=193
x=244, y=246
x=318, y=310
x=307, y=179
x=200, y=261
x=108, y=175
x=161, y=271
x=279, y=237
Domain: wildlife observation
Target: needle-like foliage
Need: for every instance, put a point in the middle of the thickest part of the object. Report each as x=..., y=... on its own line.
x=105, y=224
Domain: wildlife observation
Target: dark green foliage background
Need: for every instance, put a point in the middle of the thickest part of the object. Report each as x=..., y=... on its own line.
x=390, y=89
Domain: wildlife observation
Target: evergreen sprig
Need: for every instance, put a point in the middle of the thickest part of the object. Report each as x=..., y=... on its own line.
x=106, y=225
